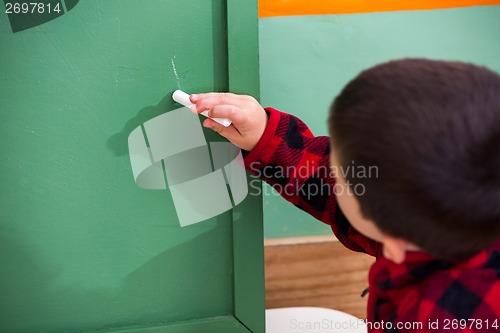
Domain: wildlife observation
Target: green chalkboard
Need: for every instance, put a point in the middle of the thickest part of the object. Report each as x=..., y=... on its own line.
x=82, y=247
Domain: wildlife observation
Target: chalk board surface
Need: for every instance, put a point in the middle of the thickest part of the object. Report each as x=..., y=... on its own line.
x=82, y=247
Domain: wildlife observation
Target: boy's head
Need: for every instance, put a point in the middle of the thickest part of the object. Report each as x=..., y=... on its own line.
x=431, y=129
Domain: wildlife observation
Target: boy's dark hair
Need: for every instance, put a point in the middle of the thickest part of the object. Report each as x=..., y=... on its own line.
x=432, y=128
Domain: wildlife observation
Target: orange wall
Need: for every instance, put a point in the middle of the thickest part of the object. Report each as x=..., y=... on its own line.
x=268, y=8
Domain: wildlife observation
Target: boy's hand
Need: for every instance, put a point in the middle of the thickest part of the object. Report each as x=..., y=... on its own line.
x=248, y=117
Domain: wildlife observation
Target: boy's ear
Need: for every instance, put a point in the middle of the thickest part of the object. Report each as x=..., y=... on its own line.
x=394, y=248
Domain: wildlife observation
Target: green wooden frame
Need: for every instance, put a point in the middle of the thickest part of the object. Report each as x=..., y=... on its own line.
x=248, y=237
x=248, y=242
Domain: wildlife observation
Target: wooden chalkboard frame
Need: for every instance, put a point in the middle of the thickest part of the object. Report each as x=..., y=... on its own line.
x=248, y=242
x=248, y=238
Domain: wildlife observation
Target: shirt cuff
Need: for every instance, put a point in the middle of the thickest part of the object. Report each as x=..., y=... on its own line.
x=272, y=124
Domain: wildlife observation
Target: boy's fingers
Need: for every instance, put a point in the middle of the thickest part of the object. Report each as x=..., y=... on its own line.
x=229, y=132
x=230, y=112
x=211, y=100
x=197, y=97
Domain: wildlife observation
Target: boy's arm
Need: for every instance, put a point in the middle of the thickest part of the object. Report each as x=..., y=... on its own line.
x=284, y=153
x=296, y=163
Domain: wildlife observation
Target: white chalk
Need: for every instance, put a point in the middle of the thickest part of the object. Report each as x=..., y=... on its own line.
x=182, y=98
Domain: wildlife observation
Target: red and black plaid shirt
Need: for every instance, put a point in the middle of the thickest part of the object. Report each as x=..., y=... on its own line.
x=421, y=294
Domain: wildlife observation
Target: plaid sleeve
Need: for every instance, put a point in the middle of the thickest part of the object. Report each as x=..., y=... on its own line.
x=296, y=163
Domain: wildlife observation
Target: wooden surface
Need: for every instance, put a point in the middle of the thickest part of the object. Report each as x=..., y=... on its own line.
x=315, y=271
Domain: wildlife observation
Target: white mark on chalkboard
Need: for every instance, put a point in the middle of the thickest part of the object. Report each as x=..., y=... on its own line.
x=175, y=73
x=99, y=11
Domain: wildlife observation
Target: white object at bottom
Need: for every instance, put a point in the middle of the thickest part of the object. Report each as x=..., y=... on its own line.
x=312, y=320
